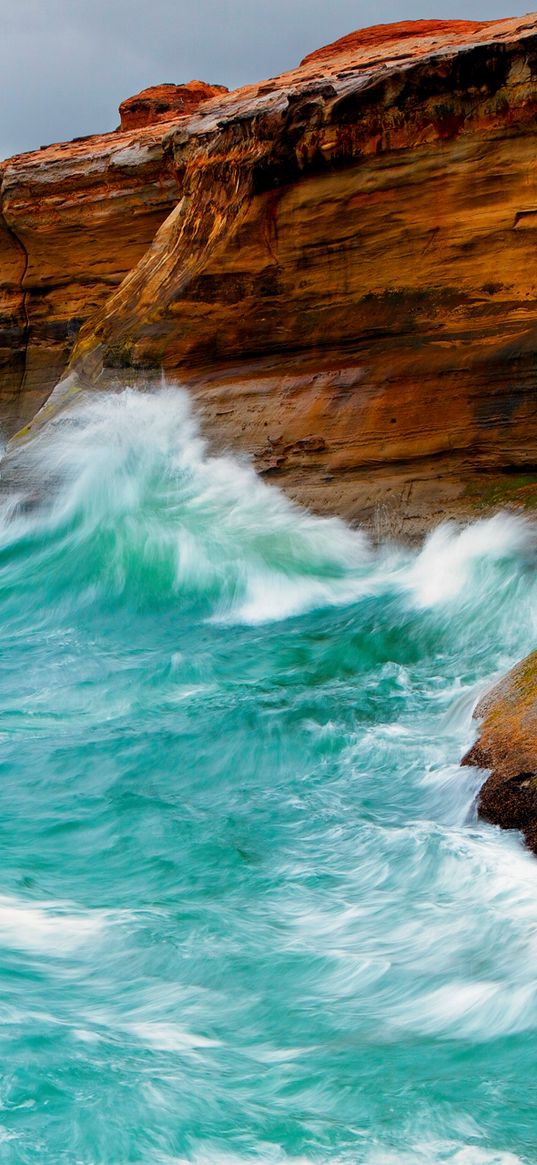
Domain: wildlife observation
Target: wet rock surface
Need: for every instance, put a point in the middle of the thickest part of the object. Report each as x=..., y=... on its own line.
x=507, y=745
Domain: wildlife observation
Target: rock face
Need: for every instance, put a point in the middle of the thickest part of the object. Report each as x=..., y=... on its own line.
x=74, y=220
x=507, y=744
x=343, y=272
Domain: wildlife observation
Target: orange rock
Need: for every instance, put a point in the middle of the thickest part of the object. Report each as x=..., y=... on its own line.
x=13, y=318
x=165, y=103
x=343, y=272
x=507, y=745
x=74, y=220
x=380, y=36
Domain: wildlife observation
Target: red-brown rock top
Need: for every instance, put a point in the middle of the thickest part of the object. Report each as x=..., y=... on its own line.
x=165, y=103
x=382, y=36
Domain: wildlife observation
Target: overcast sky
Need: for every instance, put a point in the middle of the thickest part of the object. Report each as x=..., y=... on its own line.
x=66, y=64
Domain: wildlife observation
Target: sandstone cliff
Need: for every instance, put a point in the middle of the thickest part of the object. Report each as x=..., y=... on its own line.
x=75, y=218
x=507, y=744
x=343, y=272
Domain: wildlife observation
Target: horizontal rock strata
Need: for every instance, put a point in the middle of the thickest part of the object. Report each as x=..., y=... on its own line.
x=507, y=745
x=75, y=218
x=343, y=272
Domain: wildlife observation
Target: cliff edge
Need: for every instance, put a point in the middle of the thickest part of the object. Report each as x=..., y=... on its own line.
x=338, y=263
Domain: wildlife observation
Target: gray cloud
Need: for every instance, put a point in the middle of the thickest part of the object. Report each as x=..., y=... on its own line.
x=66, y=64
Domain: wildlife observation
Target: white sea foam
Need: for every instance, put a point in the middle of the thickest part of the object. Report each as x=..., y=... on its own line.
x=167, y=1037
x=135, y=463
x=442, y=1153
x=426, y=1152
x=443, y=568
x=269, y=1155
x=414, y=919
x=52, y=928
x=133, y=467
x=395, y=952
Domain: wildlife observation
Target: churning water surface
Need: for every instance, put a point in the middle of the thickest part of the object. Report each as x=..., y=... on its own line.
x=247, y=912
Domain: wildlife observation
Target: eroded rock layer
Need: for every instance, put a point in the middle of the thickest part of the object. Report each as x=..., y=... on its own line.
x=344, y=272
x=74, y=220
x=507, y=745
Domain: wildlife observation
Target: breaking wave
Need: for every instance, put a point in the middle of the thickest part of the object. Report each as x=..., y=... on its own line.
x=247, y=911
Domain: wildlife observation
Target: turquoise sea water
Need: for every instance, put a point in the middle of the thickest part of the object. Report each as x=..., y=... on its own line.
x=247, y=912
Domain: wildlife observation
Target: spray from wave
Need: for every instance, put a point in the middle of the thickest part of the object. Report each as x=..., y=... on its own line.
x=134, y=502
x=247, y=913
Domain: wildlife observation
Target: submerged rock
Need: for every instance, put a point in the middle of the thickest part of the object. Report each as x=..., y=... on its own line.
x=507, y=745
